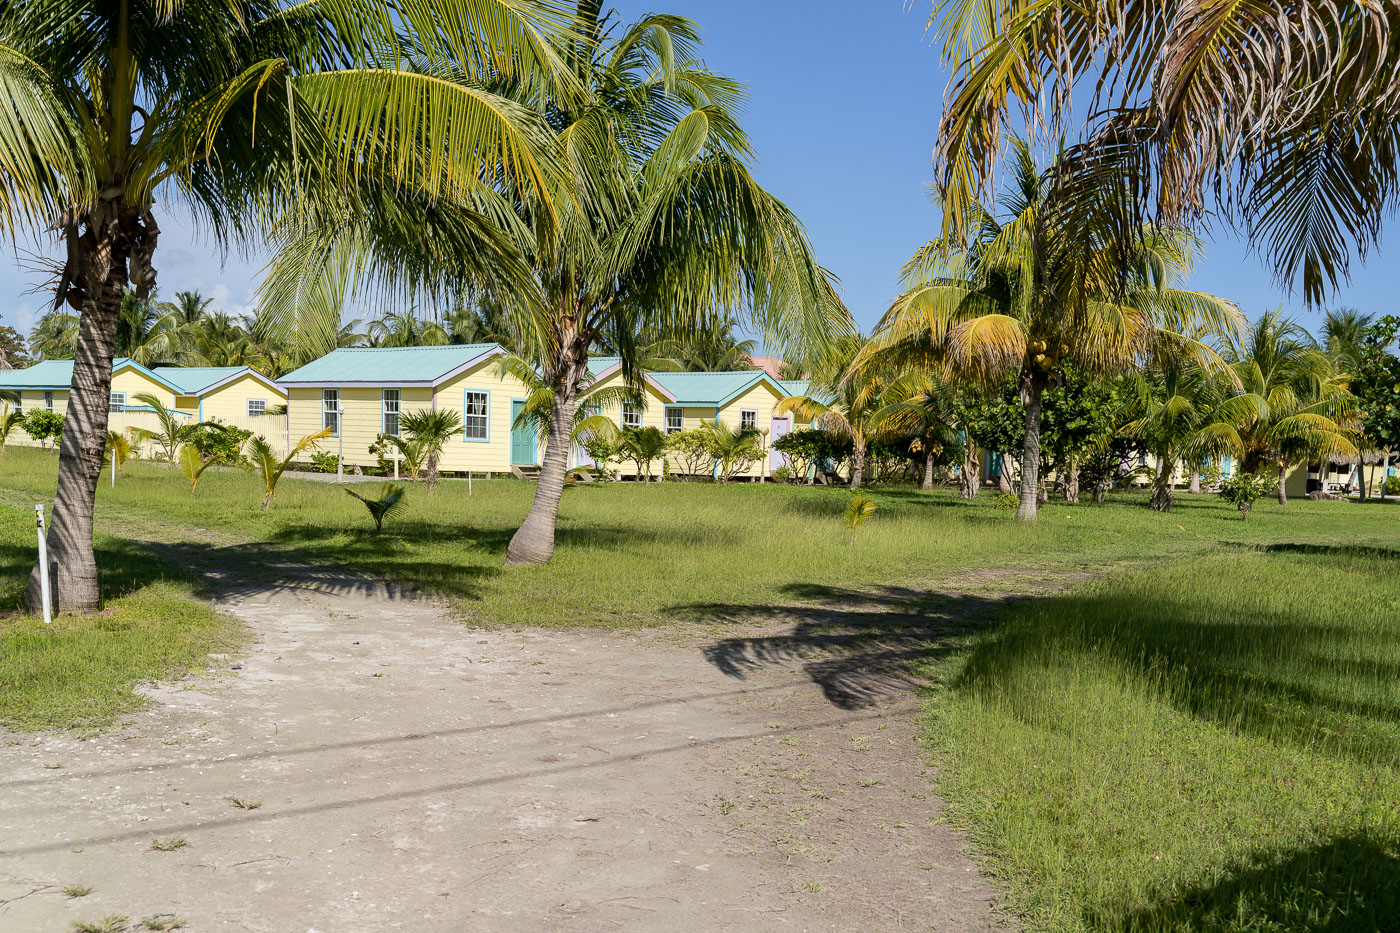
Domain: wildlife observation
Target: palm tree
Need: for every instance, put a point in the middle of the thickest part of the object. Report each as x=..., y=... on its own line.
x=270, y=469
x=406, y=329
x=644, y=446
x=1292, y=406
x=1177, y=411
x=174, y=431
x=1060, y=275
x=848, y=409
x=924, y=409
x=1284, y=109
x=733, y=449
x=432, y=428
x=716, y=348
x=388, y=503
x=589, y=420
x=9, y=421
x=239, y=112
x=658, y=224
x=54, y=336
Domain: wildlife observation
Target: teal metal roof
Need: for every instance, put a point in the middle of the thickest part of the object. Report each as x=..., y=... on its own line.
x=49, y=374
x=709, y=389
x=192, y=380
x=387, y=365
x=601, y=364
x=795, y=386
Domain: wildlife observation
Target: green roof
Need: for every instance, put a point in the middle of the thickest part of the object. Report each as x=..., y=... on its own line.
x=710, y=389
x=48, y=374
x=181, y=380
x=378, y=366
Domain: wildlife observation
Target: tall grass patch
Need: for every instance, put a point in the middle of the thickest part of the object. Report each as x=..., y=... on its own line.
x=1213, y=744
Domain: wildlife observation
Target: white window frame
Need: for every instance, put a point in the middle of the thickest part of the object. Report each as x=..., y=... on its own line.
x=260, y=410
x=389, y=408
x=116, y=401
x=330, y=410
x=679, y=425
x=48, y=400
x=476, y=416
x=631, y=415
x=751, y=414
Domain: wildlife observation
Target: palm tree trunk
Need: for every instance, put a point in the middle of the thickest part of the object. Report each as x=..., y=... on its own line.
x=71, y=557
x=1195, y=488
x=1282, y=484
x=533, y=542
x=1385, y=475
x=927, y=483
x=432, y=470
x=1162, y=488
x=1003, y=480
x=858, y=464
x=1072, y=480
x=1032, y=389
x=971, y=474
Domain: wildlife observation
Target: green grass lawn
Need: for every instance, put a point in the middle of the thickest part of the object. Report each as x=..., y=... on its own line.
x=81, y=672
x=632, y=555
x=1209, y=745
x=1198, y=730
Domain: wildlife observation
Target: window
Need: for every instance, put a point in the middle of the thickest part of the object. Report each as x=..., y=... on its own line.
x=748, y=421
x=48, y=400
x=117, y=401
x=257, y=407
x=330, y=409
x=391, y=412
x=675, y=420
x=631, y=415
x=475, y=420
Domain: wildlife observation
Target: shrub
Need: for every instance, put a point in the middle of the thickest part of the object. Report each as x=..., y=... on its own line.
x=219, y=443
x=1392, y=485
x=604, y=451
x=782, y=475
x=1244, y=489
x=43, y=425
x=322, y=462
x=1007, y=502
x=810, y=449
x=691, y=451
x=643, y=446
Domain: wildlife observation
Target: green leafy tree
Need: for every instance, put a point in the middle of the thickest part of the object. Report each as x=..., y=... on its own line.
x=243, y=113
x=1376, y=384
x=806, y=451
x=644, y=446
x=1055, y=272
x=43, y=425
x=388, y=503
x=13, y=353
x=432, y=428
x=691, y=452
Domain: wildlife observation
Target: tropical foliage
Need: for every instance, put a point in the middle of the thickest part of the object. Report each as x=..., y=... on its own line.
x=270, y=468
x=388, y=503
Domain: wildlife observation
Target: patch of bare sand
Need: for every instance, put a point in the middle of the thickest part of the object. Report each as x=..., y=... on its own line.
x=412, y=774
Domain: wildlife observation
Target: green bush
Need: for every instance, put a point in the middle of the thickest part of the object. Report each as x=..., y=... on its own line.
x=322, y=462
x=782, y=475
x=1243, y=489
x=1392, y=485
x=43, y=425
x=220, y=442
x=1007, y=502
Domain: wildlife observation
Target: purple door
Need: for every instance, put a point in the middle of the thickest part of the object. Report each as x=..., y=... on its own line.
x=781, y=427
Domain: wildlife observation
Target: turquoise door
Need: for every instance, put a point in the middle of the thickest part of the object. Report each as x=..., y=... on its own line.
x=522, y=439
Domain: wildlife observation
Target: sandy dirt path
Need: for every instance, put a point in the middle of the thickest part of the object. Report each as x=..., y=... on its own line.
x=415, y=774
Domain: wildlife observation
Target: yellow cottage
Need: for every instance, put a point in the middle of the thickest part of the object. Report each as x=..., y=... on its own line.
x=236, y=395
x=361, y=393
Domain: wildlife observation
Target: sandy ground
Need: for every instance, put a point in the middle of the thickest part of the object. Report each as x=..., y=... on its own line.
x=413, y=774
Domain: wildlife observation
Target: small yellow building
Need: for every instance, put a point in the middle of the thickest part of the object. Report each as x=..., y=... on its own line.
x=361, y=393
x=236, y=395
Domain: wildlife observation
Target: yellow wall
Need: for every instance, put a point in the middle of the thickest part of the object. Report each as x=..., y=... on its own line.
x=363, y=419
x=762, y=399
x=229, y=403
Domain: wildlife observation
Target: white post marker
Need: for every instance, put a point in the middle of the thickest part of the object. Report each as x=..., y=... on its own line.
x=396, y=463
x=469, y=482
x=340, y=436
x=44, y=565
x=114, y=468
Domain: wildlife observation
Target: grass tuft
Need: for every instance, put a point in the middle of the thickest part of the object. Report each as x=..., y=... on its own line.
x=112, y=923
x=169, y=844
x=76, y=890
x=244, y=803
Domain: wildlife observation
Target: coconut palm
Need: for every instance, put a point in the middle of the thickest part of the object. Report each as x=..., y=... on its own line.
x=589, y=420
x=713, y=349
x=406, y=329
x=1055, y=273
x=1177, y=410
x=9, y=421
x=193, y=464
x=644, y=446
x=923, y=408
x=238, y=111
x=1284, y=109
x=175, y=429
x=270, y=469
x=54, y=336
x=432, y=428
x=1292, y=406
x=846, y=403
x=388, y=503
x=1343, y=336
x=733, y=449
x=858, y=511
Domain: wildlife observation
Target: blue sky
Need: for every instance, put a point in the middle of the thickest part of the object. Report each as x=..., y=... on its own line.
x=844, y=111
